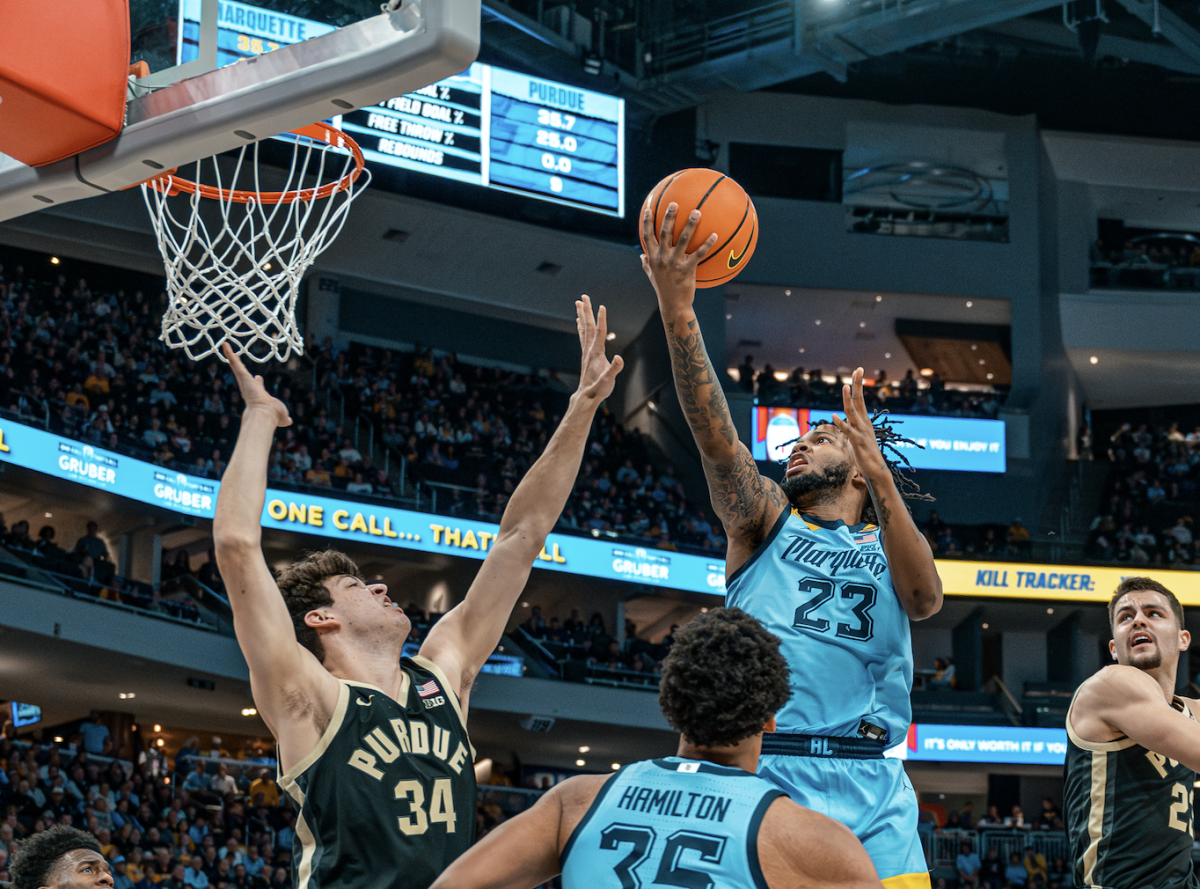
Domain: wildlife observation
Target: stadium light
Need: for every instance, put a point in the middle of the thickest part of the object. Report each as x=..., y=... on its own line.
x=579, y=762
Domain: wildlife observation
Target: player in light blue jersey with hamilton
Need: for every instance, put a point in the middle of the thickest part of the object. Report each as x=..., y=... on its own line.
x=832, y=563
x=698, y=819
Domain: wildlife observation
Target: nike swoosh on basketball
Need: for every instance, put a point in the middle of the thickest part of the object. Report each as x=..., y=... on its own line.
x=734, y=260
x=362, y=703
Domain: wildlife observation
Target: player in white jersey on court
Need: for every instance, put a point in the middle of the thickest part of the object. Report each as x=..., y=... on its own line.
x=830, y=561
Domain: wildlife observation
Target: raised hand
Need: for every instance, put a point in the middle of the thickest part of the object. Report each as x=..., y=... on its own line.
x=666, y=262
x=858, y=429
x=597, y=374
x=254, y=393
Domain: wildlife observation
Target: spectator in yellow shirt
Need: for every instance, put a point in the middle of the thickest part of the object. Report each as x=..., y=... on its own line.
x=76, y=398
x=96, y=385
x=268, y=788
x=1035, y=865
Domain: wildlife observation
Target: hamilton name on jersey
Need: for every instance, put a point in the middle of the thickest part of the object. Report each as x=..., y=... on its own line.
x=806, y=551
x=675, y=803
x=379, y=747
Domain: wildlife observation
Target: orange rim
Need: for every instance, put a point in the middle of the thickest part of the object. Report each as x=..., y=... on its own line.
x=171, y=184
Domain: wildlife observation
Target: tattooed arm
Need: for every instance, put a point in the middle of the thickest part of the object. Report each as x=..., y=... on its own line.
x=747, y=504
x=909, y=558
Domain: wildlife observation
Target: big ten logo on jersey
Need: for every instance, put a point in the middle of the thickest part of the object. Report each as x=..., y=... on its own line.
x=435, y=701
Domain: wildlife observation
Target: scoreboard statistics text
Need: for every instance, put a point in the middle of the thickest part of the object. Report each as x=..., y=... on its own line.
x=486, y=126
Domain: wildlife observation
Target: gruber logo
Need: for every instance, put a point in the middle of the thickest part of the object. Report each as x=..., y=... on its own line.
x=83, y=462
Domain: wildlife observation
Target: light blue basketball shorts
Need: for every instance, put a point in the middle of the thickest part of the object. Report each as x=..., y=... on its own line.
x=872, y=797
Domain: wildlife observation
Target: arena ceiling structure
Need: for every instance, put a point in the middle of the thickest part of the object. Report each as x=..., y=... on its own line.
x=670, y=55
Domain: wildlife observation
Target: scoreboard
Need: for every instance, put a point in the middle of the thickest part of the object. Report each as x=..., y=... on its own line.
x=486, y=126
x=493, y=127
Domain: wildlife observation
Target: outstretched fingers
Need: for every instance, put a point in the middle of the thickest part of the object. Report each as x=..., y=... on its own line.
x=648, y=237
x=666, y=234
x=706, y=248
x=853, y=402
x=240, y=373
x=583, y=317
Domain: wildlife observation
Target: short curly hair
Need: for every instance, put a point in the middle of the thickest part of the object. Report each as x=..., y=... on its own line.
x=303, y=586
x=38, y=856
x=723, y=679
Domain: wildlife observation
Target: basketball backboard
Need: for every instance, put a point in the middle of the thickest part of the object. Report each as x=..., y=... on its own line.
x=223, y=73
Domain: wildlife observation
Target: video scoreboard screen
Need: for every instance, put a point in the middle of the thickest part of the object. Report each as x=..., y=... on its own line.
x=486, y=126
x=953, y=443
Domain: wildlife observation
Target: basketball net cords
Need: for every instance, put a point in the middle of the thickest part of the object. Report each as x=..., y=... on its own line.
x=207, y=295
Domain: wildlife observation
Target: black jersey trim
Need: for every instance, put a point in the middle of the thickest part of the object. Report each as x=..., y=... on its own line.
x=835, y=524
x=288, y=781
x=762, y=547
x=752, y=836
x=583, y=822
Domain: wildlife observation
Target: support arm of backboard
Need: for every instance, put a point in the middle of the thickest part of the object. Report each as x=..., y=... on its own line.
x=206, y=60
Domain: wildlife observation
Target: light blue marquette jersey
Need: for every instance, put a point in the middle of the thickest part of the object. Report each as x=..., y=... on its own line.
x=671, y=822
x=825, y=590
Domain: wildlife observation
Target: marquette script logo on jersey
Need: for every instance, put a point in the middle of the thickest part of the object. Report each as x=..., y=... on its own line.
x=178, y=491
x=429, y=694
x=806, y=551
x=85, y=463
x=641, y=564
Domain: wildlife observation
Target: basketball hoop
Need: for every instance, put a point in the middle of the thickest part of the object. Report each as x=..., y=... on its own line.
x=235, y=257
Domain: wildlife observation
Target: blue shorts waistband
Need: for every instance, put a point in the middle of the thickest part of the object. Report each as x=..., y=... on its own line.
x=821, y=746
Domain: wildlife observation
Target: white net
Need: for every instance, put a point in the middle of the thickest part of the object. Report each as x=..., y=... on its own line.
x=236, y=254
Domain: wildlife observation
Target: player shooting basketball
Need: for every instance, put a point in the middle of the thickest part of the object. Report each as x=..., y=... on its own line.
x=837, y=590
x=373, y=747
x=1133, y=751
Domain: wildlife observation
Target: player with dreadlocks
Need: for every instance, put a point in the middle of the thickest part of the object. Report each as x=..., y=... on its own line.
x=831, y=562
x=60, y=858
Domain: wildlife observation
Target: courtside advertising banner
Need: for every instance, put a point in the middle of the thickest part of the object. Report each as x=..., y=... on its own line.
x=337, y=518
x=983, y=743
x=952, y=443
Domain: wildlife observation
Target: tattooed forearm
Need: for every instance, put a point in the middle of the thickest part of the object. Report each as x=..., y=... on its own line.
x=699, y=389
x=744, y=501
x=738, y=492
x=883, y=513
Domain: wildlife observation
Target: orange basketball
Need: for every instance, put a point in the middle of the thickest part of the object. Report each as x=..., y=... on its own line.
x=724, y=208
